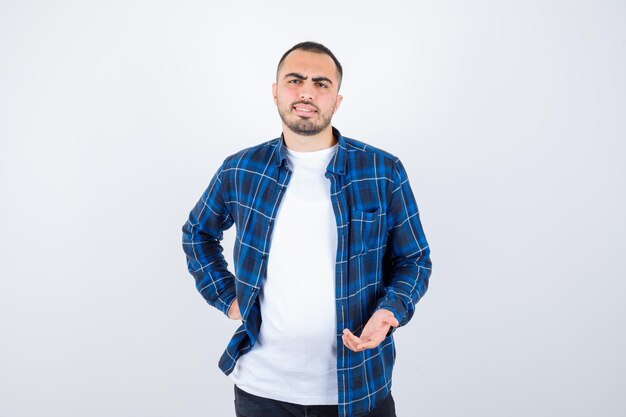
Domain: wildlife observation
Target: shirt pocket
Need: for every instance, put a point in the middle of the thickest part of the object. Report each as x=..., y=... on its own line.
x=367, y=229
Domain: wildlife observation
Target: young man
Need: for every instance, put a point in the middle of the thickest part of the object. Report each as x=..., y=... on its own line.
x=330, y=256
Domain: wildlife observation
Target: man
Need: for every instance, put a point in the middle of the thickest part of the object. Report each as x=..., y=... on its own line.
x=330, y=256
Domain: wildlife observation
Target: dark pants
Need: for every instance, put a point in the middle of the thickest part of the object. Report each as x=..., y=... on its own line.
x=248, y=405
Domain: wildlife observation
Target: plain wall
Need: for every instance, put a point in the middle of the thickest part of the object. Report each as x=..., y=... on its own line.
x=509, y=117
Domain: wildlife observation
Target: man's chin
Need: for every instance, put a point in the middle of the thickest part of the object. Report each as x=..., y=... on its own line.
x=305, y=129
x=306, y=132
x=304, y=126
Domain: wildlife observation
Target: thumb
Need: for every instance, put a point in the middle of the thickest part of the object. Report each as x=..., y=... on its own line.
x=392, y=321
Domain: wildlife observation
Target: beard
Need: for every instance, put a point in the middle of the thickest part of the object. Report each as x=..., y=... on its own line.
x=304, y=126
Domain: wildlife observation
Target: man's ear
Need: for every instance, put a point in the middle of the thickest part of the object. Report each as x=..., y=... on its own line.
x=274, y=93
x=339, y=98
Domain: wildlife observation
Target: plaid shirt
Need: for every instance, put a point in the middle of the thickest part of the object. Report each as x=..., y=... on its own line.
x=382, y=255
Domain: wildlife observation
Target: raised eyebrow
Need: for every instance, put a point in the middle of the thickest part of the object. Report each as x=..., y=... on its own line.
x=317, y=79
x=302, y=77
x=295, y=75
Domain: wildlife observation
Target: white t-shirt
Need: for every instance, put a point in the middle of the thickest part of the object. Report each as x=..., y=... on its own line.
x=295, y=357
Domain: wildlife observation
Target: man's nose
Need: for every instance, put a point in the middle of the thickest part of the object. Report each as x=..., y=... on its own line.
x=306, y=92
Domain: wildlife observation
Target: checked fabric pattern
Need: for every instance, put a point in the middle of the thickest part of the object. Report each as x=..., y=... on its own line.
x=383, y=258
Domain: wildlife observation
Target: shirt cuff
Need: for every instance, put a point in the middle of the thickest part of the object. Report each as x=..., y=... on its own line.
x=394, y=305
x=226, y=300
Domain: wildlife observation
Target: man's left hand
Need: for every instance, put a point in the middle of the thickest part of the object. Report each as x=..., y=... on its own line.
x=373, y=333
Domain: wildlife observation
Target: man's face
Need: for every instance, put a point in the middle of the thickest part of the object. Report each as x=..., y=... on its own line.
x=306, y=92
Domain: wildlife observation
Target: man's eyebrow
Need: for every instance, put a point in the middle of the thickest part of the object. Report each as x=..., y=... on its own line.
x=295, y=75
x=302, y=77
x=317, y=79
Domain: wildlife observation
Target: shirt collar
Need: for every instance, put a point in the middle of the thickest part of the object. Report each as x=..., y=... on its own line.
x=336, y=165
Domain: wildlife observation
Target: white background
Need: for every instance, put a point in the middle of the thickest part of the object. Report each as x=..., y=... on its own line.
x=510, y=117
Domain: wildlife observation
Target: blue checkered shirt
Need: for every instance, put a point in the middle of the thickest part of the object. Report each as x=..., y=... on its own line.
x=383, y=259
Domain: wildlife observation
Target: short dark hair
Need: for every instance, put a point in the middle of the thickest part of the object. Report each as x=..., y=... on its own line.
x=315, y=47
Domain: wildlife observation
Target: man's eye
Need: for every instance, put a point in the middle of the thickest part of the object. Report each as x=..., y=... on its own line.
x=322, y=85
x=294, y=81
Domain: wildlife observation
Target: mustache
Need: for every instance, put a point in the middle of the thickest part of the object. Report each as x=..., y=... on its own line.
x=308, y=103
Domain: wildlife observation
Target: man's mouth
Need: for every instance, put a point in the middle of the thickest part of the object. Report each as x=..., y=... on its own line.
x=304, y=110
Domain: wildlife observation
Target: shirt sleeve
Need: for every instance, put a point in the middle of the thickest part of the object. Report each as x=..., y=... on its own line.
x=202, y=236
x=408, y=254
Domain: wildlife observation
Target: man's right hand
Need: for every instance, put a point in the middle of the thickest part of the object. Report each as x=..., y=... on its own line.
x=233, y=312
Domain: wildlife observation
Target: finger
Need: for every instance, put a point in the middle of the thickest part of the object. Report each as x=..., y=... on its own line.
x=235, y=314
x=345, y=341
x=351, y=336
x=349, y=340
x=349, y=343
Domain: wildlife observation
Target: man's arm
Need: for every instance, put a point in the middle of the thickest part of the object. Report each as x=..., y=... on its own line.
x=409, y=264
x=202, y=234
x=408, y=267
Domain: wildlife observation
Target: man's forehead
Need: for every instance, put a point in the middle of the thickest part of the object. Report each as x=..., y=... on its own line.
x=309, y=64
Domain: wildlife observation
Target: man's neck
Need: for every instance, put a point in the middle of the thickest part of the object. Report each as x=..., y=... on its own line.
x=299, y=143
